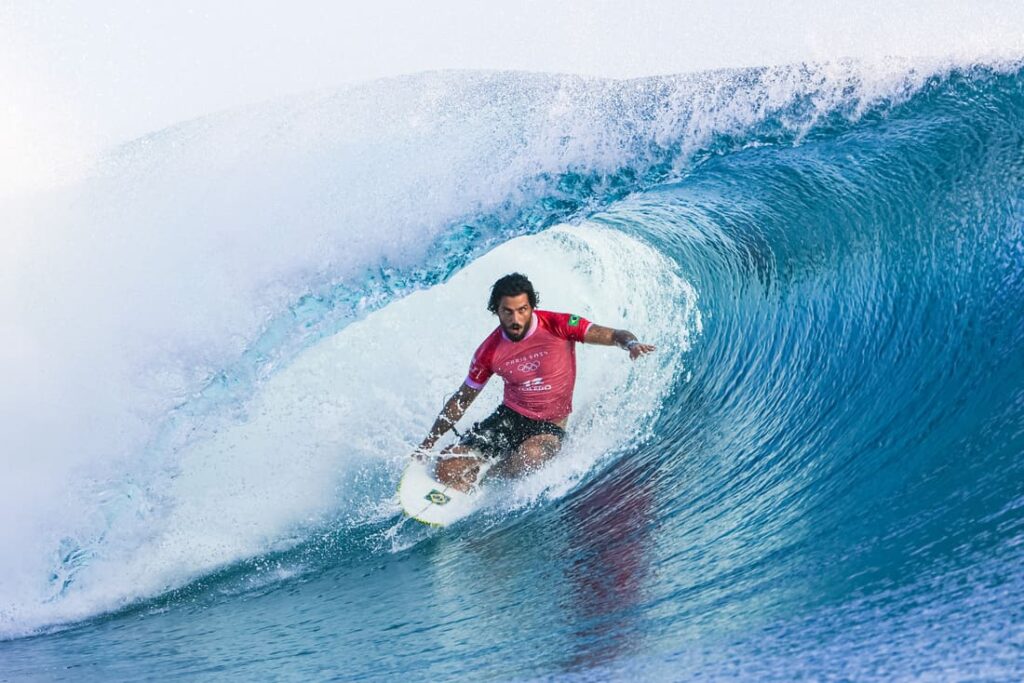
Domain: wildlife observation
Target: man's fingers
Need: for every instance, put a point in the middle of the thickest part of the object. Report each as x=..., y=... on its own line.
x=640, y=350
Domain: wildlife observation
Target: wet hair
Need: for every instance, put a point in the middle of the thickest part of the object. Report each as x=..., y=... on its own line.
x=512, y=284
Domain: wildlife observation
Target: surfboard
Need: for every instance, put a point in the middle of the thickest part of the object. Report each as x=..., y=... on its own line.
x=427, y=500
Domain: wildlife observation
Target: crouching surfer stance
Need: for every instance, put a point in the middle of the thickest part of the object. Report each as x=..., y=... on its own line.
x=534, y=353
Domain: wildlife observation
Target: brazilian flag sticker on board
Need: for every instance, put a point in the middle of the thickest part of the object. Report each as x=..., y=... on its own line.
x=437, y=497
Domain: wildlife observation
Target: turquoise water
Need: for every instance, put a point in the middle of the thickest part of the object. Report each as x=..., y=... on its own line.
x=819, y=476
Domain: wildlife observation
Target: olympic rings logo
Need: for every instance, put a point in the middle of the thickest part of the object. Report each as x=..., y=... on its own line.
x=529, y=367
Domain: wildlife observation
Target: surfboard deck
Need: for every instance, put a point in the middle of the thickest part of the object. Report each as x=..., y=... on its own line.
x=427, y=500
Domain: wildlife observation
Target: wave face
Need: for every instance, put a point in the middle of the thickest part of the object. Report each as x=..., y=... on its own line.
x=818, y=475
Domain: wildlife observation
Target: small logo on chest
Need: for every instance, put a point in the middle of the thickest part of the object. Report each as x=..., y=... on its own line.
x=536, y=384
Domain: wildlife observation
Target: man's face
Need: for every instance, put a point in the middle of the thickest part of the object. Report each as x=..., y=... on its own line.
x=515, y=314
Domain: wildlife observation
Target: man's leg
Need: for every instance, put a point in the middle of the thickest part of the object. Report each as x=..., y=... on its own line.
x=459, y=472
x=530, y=455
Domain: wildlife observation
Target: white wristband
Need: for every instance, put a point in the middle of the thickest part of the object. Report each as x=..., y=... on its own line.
x=631, y=343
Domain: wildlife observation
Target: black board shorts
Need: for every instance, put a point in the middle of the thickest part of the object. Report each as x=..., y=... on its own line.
x=498, y=436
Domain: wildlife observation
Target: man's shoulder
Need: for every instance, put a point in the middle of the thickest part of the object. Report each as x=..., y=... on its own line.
x=490, y=342
x=550, y=317
x=565, y=325
x=555, y=318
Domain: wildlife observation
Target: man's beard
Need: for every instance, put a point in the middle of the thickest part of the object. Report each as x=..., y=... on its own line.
x=517, y=334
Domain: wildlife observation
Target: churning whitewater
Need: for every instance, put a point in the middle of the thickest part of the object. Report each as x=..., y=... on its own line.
x=252, y=318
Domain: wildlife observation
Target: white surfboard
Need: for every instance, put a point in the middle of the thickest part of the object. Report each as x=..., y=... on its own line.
x=429, y=501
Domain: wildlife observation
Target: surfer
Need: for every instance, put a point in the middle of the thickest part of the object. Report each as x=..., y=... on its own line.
x=534, y=353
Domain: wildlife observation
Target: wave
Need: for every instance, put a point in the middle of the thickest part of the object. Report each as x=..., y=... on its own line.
x=828, y=255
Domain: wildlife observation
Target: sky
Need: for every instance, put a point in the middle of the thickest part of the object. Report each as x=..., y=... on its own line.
x=80, y=77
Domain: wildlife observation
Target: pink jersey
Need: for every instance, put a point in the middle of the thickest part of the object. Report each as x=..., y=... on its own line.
x=539, y=370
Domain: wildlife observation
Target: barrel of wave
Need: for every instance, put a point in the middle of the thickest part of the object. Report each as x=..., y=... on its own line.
x=331, y=432
x=327, y=437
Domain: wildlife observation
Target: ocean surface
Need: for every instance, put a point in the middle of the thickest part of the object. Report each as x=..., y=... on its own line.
x=234, y=331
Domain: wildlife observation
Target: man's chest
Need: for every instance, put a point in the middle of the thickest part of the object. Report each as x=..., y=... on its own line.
x=532, y=360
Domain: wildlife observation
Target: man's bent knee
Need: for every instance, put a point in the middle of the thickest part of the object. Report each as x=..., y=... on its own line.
x=459, y=473
x=536, y=451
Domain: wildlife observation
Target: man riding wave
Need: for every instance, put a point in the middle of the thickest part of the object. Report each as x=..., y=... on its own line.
x=534, y=353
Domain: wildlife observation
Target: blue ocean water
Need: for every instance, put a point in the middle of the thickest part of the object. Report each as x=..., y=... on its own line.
x=818, y=475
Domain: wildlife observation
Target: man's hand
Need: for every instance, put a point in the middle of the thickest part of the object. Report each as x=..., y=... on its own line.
x=453, y=409
x=624, y=339
x=637, y=349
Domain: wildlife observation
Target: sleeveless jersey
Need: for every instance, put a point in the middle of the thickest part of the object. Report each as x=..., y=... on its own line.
x=539, y=370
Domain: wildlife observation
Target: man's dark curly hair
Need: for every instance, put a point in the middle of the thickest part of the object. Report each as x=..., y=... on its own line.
x=512, y=284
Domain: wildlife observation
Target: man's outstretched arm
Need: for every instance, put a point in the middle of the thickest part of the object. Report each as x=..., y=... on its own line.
x=624, y=339
x=452, y=412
